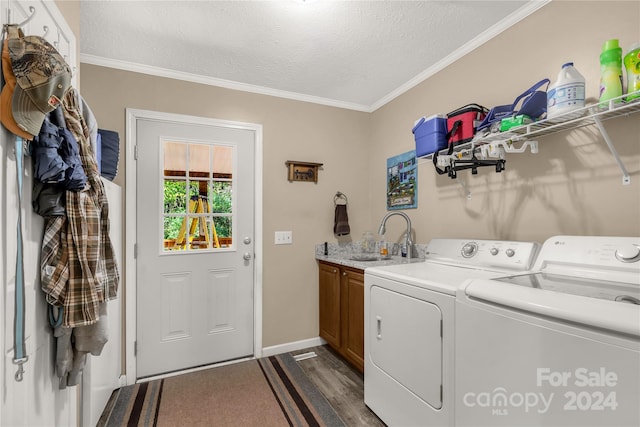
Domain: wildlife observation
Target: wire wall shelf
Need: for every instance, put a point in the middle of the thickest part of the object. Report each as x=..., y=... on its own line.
x=593, y=114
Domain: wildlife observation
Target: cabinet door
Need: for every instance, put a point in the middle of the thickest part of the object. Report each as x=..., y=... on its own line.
x=405, y=342
x=353, y=340
x=329, y=296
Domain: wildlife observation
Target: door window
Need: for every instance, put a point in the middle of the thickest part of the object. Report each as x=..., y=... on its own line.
x=198, y=197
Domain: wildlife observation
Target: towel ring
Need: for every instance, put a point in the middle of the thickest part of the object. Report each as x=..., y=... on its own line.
x=339, y=195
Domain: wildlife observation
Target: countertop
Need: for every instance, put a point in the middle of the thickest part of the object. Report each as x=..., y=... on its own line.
x=348, y=254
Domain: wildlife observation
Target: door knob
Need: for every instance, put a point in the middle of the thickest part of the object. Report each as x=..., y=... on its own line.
x=247, y=240
x=246, y=256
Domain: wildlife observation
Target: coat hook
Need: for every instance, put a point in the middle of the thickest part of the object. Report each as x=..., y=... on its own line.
x=46, y=31
x=32, y=11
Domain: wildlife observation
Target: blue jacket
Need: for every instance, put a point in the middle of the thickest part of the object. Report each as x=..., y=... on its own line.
x=56, y=154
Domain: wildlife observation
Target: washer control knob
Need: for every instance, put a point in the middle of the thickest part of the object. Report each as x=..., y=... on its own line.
x=494, y=251
x=469, y=249
x=630, y=253
x=510, y=252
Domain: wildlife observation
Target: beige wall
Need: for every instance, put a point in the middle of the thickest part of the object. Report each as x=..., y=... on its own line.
x=291, y=131
x=572, y=186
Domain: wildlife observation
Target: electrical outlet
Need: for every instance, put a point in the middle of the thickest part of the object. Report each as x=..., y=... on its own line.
x=284, y=238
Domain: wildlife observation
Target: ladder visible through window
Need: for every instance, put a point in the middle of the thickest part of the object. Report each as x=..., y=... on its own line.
x=197, y=205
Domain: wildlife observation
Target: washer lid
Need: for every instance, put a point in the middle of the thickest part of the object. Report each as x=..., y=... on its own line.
x=594, y=288
x=596, y=312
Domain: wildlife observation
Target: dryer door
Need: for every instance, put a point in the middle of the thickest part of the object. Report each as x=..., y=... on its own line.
x=406, y=342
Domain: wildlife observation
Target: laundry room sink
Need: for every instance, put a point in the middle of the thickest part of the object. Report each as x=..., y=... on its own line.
x=366, y=258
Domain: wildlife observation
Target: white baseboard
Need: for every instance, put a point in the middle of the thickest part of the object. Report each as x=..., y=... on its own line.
x=292, y=346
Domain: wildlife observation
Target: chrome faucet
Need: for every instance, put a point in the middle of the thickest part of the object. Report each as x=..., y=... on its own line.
x=408, y=242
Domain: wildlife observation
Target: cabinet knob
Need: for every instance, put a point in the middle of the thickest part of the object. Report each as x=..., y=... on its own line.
x=344, y=273
x=335, y=271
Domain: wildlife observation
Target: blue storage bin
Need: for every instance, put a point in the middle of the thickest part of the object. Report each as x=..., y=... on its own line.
x=430, y=134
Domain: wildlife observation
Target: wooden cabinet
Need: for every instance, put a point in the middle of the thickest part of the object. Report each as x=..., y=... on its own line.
x=341, y=295
x=329, y=284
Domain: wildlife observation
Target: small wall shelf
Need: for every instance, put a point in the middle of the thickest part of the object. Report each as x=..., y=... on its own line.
x=302, y=171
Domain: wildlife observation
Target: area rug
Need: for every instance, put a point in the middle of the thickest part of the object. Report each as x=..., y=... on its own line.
x=272, y=391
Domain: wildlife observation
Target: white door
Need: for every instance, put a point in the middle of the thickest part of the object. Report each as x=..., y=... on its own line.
x=195, y=245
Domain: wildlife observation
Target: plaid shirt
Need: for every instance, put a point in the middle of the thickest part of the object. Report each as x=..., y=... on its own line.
x=78, y=265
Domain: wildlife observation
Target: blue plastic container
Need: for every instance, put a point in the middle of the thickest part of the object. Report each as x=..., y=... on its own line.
x=430, y=134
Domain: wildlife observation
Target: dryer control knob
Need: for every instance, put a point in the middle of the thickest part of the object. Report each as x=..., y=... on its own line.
x=510, y=252
x=469, y=249
x=630, y=253
x=494, y=251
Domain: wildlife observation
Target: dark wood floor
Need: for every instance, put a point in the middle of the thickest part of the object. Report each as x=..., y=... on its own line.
x=341, y=384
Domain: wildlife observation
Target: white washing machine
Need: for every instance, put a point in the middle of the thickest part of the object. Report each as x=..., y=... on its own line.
x=409, y=331
x=556, y=347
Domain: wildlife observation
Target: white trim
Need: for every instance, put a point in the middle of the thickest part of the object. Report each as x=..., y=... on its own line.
x=468, y=47
x=132, y=115
x=292, y=346
x=478, y=41
x=212, y=81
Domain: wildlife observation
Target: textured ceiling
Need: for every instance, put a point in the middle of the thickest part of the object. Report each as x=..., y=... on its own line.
x=355, y=54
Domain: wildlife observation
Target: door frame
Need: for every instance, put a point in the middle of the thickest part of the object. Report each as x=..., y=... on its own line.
x=132, y=116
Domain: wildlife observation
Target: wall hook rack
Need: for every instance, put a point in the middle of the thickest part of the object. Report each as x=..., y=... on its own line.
x=302, y=171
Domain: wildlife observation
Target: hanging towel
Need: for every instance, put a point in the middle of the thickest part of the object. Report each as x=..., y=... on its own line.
x=341, y=221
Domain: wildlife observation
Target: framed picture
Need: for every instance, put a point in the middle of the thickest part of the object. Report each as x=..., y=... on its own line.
x=402, y=181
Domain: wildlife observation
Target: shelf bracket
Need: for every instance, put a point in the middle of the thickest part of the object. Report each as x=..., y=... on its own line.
x=626, y=179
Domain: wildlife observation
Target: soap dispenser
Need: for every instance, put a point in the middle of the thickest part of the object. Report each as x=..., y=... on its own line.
x=368, y=242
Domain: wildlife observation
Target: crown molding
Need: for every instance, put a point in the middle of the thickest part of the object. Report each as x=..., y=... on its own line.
x=210, y=81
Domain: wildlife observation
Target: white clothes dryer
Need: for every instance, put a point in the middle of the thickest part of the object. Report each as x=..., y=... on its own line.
x=556, y=347
x=409, y=330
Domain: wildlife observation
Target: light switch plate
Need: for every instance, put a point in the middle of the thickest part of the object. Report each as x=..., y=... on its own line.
x=284, y=238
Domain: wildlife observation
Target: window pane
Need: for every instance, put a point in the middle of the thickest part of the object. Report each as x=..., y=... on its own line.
x=194, y=192
x=220, y=197
x=199, y=233
x=175, y=199
x=222, y=161
x=199, y=161
x=223, y=230
x=175, y=159
x=171, y=230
